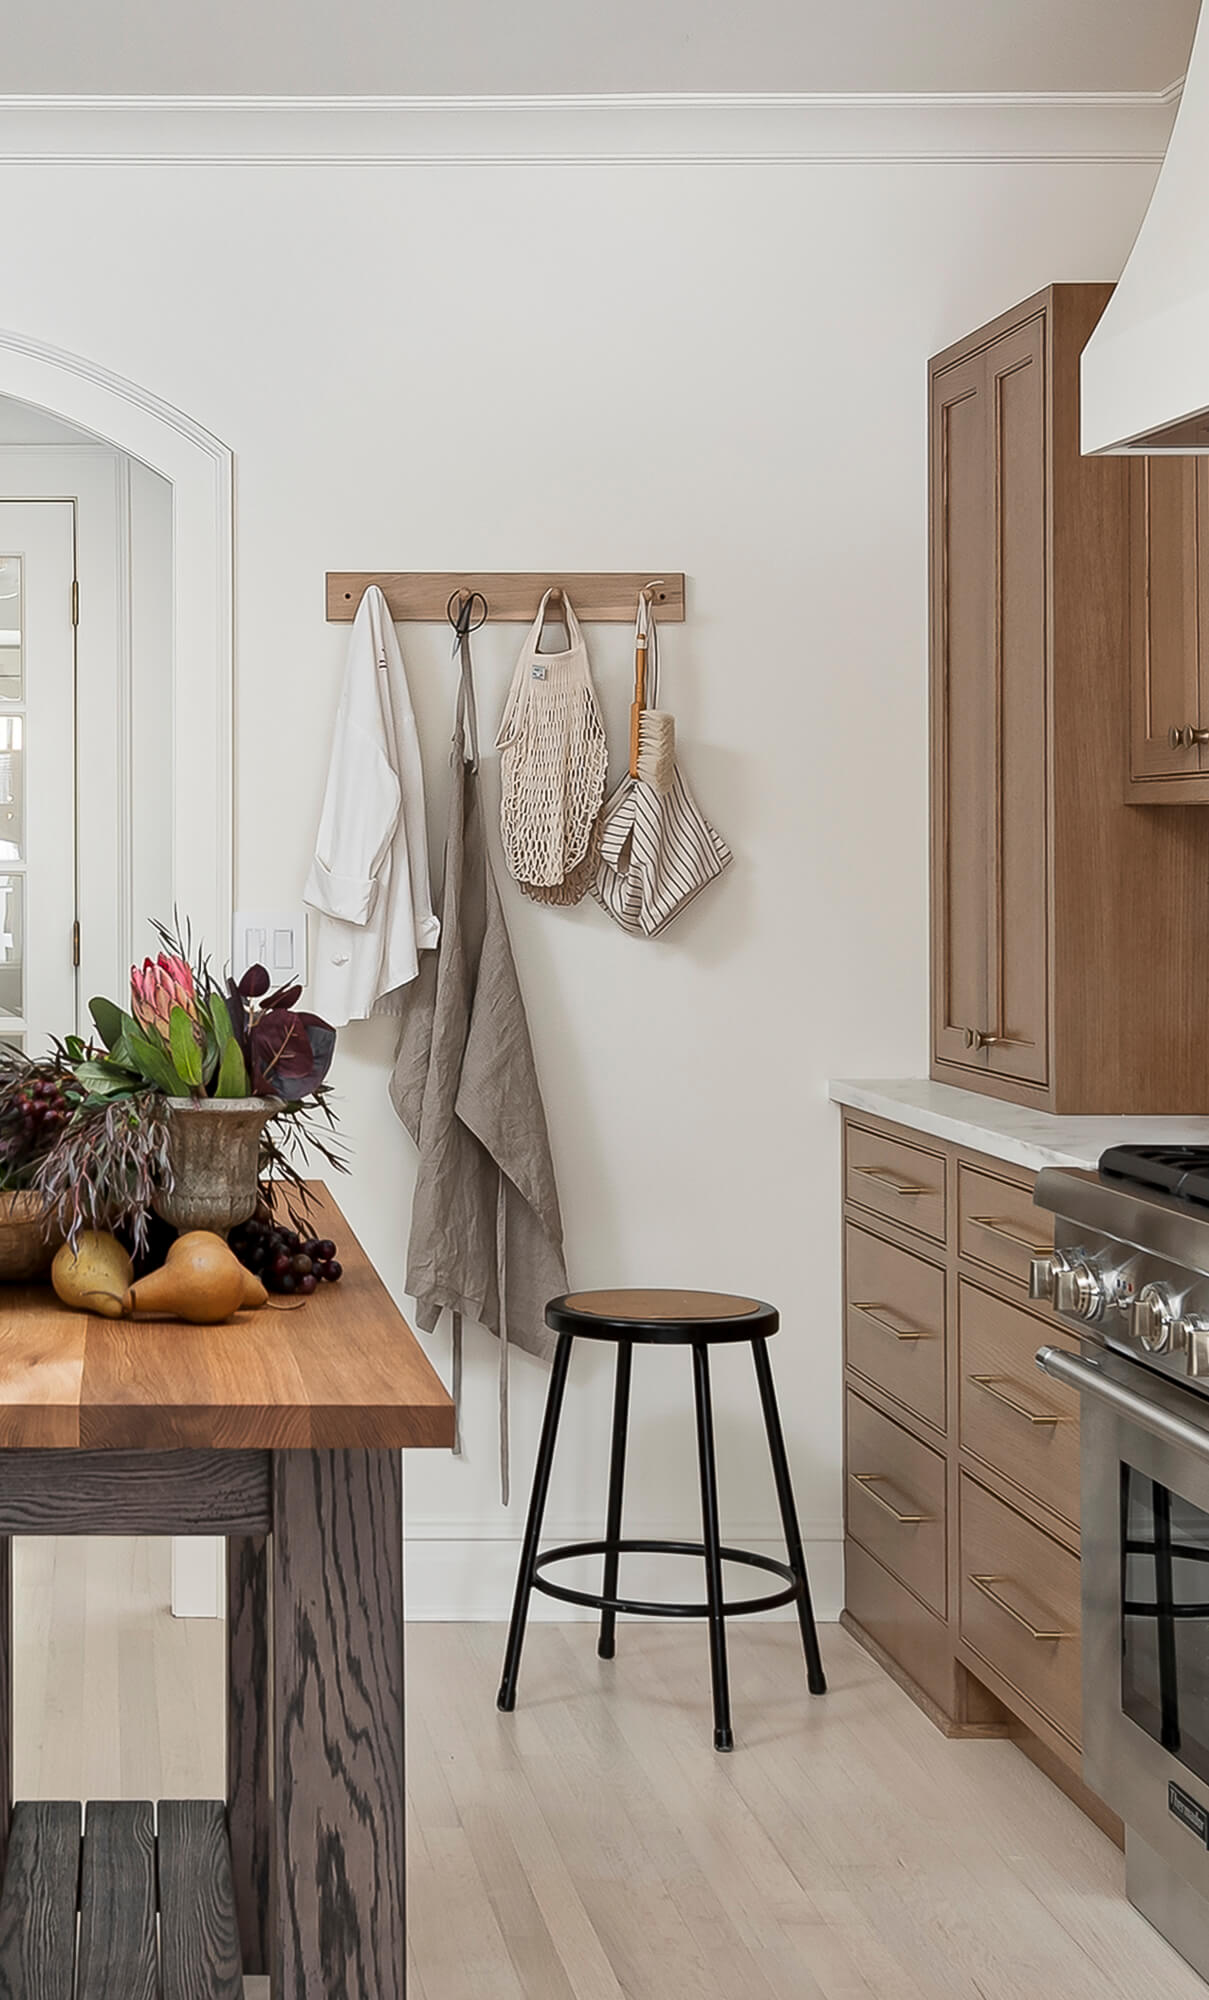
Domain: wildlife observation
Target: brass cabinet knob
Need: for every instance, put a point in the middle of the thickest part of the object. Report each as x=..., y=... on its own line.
x=982, y=1038
x=1188, y=737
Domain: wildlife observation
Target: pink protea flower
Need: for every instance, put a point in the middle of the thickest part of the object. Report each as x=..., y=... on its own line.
x=160, y=986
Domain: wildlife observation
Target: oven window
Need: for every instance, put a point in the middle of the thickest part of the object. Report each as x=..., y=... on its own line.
x=1165, y=1617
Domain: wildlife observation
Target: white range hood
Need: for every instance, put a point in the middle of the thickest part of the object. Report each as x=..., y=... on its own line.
x=1146, y=366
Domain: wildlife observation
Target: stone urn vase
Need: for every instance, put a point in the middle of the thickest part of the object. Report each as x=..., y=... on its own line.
x=215, y=1148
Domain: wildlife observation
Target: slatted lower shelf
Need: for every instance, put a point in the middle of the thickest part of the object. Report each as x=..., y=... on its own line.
x=141, y=1907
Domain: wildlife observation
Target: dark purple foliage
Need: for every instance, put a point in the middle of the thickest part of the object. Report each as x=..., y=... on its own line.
x=255, y=983
x=287, y=1053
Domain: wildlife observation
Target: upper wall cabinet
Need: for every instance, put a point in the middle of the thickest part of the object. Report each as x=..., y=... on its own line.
x=1070, y=934
x=1169, y=632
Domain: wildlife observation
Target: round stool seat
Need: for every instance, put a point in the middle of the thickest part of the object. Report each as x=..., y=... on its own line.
x=662, y=1318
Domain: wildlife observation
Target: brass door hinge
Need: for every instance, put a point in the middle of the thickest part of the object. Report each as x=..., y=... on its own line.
x=75, y=601
x=75, y=942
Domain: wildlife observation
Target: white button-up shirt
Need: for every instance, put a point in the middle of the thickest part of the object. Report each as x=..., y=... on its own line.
x=369, y=879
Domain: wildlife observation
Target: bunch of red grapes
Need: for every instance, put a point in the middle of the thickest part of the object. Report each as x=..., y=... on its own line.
x=284, y=1260
x=40, y=1110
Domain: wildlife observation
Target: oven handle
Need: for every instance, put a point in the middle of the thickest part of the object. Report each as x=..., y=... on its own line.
x=1092, y=1381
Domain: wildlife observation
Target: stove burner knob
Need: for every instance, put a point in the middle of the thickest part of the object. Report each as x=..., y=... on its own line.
x=1154, y=1321
x=1077, y=1292
x=1193, y=1329
x=1043, y=1276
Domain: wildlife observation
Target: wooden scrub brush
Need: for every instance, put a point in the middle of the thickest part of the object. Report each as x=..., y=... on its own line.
x=652, y=732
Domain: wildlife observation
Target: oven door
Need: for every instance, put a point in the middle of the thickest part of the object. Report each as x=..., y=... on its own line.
x=1145, y=1587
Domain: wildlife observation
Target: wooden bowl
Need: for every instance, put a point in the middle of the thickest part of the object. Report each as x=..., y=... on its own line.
x=27, y=1242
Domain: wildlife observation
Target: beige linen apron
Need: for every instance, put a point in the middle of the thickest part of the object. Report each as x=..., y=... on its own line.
x=553, y=767
x=486, y=1231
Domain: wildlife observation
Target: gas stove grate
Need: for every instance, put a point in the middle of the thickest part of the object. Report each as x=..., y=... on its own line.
x=1182, y=1171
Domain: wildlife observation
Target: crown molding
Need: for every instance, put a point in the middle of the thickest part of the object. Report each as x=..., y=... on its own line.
x=787, y=129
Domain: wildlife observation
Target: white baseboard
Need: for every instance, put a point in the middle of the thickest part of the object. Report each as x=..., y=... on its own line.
x=471, y=1579
x=452, y=1577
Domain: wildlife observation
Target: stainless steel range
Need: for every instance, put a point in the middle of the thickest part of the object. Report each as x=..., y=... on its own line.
x=1131, y=1270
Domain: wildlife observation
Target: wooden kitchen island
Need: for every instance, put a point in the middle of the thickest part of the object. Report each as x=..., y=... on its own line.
x=282, y=1431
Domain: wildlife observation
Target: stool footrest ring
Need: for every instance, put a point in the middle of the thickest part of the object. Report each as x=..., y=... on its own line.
x=643, y=1608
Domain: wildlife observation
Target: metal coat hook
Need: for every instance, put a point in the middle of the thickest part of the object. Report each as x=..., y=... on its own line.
x=463, y=619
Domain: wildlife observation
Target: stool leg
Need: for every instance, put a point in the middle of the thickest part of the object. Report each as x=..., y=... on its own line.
x=605, y=1645
x=723, y=1738
x=506, y=1698
x=815, y=1678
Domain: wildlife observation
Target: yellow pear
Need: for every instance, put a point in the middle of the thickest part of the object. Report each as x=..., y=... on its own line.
x=93, y=1277
x=201, y=1280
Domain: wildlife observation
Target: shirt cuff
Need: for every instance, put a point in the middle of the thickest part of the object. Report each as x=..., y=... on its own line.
x=347, y=897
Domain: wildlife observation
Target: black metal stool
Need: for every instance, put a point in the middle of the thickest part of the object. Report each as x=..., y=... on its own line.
x=664, y=1319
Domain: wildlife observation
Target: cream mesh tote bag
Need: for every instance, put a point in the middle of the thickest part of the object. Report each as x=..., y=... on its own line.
x=553, y=767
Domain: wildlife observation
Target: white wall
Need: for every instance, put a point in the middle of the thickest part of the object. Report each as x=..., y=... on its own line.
x=451, y=47
x=714, y=367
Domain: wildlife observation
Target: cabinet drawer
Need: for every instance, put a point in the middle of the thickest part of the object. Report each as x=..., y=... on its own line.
x=1019, y=1605
x=895, y=1322
x=896, y=1179
x=997, y=1224
x=1011, y=1416
x=896, y=1501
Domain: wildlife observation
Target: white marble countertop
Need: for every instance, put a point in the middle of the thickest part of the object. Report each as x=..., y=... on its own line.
x=1013, y=1132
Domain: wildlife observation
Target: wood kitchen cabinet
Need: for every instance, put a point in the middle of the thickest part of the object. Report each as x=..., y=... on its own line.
x=961, y=1512
x=1169, y=632
x=1057, y=909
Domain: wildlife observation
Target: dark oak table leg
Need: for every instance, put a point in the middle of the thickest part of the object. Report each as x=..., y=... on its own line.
x=337, y=1674
x=248, y=1741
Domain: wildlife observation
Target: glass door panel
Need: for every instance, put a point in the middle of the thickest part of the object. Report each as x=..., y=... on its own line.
x=10, y=628
x=1165, y=1617
x=37, y=771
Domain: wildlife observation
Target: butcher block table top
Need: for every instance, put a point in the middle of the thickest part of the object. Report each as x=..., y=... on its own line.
x=341, y=1370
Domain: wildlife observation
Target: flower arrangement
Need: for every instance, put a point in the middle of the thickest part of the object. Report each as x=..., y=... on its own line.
x=90, y=1126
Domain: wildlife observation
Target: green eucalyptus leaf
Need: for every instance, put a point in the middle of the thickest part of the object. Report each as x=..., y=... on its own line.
x=232, y=1072
x=103, y=1079
x=186, y=1055
x=220, y=1018
x=152, y=1061
x=109, y=1020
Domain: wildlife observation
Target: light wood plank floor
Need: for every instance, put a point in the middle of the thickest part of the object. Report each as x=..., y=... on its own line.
x=594, y=1847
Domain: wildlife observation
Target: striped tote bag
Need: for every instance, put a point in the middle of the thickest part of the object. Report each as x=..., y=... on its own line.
x=657, y=852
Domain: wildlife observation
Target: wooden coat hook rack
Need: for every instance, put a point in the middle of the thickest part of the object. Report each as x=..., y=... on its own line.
x=599, y=597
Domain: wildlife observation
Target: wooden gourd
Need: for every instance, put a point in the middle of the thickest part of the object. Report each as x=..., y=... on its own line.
x=201, y=1280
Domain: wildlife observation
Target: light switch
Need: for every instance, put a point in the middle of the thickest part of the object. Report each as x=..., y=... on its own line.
x=275, y=939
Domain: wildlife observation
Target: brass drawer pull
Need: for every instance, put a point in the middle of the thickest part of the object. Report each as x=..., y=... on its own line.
x=1188, y=737
x=995, y=1227
x=982, y=1038
x=986, y=1585
x=895, y=1182
x=991, y=1383
x=876, y=1313
x=871, y=1481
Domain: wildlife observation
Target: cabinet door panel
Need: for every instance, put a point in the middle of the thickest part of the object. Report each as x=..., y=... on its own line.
x=1164, y=650
x=1019, y=927
x=963, y=625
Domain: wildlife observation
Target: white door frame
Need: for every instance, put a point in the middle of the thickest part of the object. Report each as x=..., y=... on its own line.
x=201, y=471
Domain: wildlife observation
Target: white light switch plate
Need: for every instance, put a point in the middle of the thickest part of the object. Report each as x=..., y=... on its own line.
x=275, y=938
